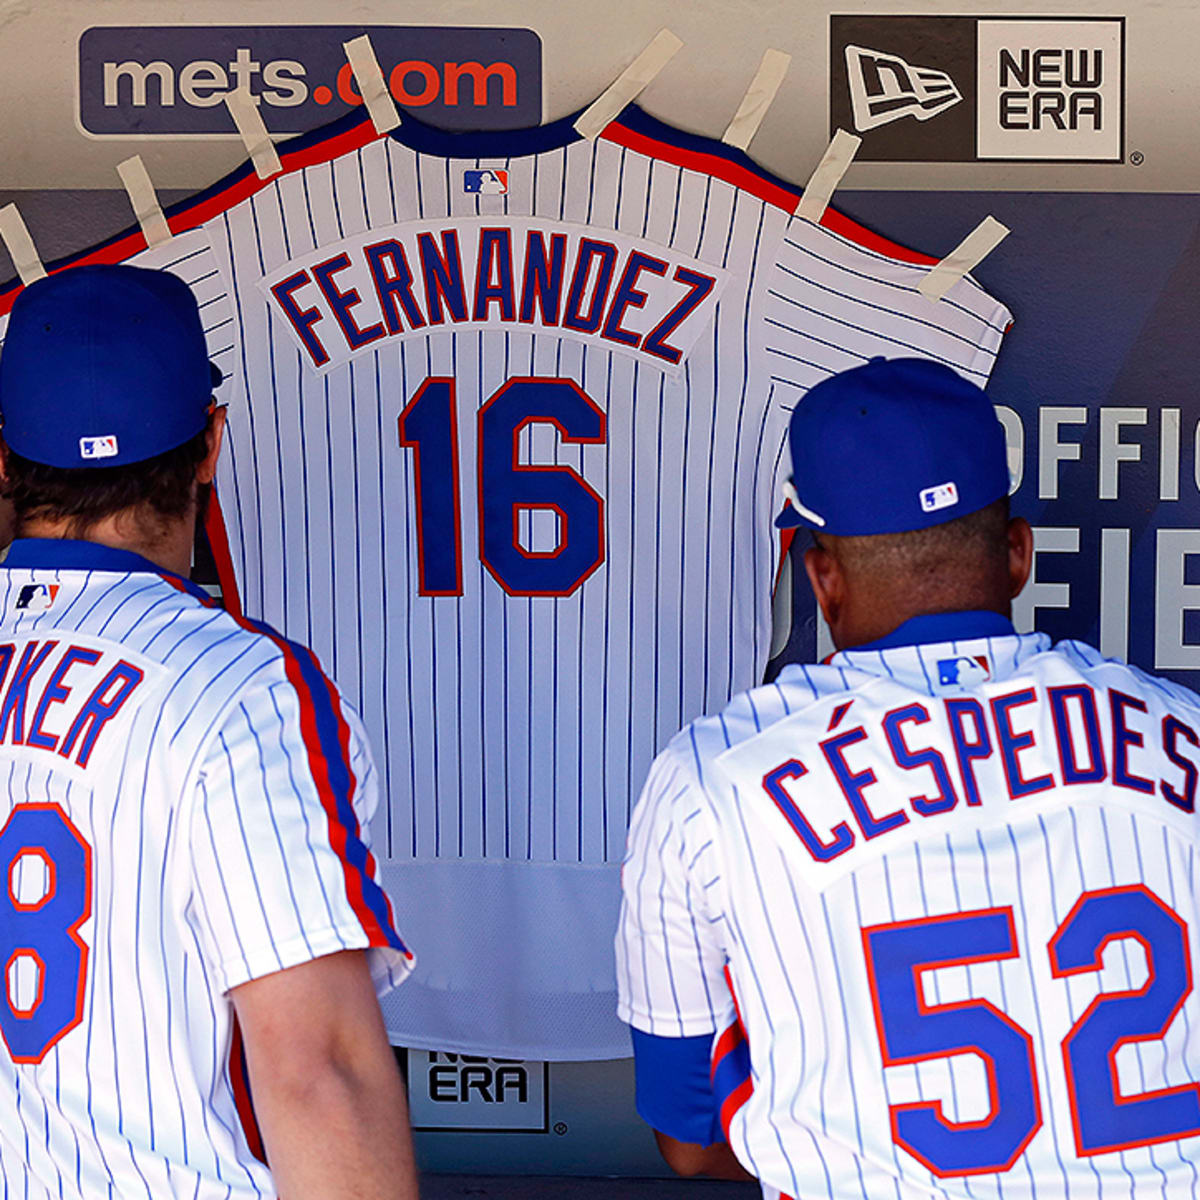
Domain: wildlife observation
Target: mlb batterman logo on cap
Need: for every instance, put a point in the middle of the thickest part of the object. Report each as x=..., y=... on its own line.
x=893, y=445
x=104, y=366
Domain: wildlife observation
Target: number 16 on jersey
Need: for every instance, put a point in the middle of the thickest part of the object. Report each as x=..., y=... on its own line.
x=507, y=488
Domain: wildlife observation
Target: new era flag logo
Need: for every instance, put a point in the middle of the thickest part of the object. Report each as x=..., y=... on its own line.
x=485, y=183
x=37, y=597
x=883, y=88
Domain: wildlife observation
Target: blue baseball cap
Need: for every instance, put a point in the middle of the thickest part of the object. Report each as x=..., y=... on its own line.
x=893, y=445
x=103, y=366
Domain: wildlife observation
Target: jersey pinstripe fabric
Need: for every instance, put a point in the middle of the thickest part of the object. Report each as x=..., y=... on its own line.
x=183, y=808
x=506, y=430
x=937, y=906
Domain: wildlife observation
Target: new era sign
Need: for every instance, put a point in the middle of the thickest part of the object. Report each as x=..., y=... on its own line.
x=966, y=89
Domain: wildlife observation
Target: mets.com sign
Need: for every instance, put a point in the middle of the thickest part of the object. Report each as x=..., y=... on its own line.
x=169, y=80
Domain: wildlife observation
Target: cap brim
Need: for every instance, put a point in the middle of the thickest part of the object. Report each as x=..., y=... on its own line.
x=216, y=375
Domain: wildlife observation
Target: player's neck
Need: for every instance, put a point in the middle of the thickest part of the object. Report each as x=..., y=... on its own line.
x=167, y=543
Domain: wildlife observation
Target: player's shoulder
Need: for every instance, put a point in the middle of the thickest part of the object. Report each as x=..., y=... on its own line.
x=1115, y=674
x=179, y=624
x=636, y=130
x=294, y=660
x=220, y=659
x=800, y=692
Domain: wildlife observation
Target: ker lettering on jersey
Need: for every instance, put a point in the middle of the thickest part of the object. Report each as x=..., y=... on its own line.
x=68, y=698
x=853, y=778
x=407, y=280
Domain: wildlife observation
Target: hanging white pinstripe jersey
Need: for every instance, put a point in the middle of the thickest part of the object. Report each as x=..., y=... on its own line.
x=183, y=808
x=954, y=888
x=505, y=442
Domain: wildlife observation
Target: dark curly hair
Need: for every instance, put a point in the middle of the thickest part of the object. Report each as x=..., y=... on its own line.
x=158, y=487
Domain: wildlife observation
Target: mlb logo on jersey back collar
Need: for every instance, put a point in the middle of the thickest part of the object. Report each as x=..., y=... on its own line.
x=963, y=671
x=36, y=597
x=492, y=182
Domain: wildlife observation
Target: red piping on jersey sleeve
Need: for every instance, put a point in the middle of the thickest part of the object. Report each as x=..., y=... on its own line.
x=218, y=543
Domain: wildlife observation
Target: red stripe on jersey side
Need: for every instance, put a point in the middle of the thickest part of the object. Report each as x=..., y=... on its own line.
x=733, y=1102
x=239, y=1079
x=709, y=164
x=730, y=1063
x=729, y=1040
x=218, y=543
x=737, y=1008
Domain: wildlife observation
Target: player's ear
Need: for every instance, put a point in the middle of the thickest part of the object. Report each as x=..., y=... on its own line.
x=215, y=432
x=828, y=582
x=1020, y=554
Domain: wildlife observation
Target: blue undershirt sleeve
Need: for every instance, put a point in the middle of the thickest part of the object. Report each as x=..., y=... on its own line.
x=674, y=1091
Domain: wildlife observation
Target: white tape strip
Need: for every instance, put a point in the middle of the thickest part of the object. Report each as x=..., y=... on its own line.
x=628, y=84
x=145, y=203
x=254, y=133
x=973, y=249
x=825, y=179
x=20, y=245
x=371, y=84
x=758, y=98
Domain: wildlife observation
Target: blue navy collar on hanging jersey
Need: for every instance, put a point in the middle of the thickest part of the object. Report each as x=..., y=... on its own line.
x=942, y=627
x=66, y=554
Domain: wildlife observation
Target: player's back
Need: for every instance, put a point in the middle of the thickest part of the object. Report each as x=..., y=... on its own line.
x=116, y=686
x=957, y=892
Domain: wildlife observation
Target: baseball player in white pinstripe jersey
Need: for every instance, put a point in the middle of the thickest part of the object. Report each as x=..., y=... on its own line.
x=920, y=921
x=191, y=926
